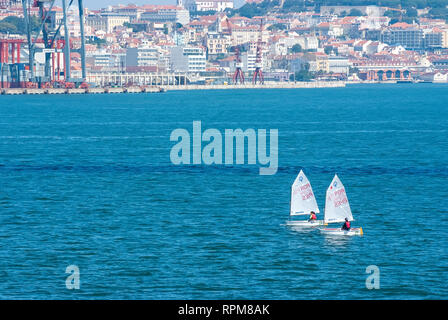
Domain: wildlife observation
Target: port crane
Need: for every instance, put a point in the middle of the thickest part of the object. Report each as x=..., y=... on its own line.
x=239, y=74
x=52, y=42
x=258, y=73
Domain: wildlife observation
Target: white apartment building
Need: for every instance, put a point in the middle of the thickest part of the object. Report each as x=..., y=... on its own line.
x=132, y=11
x=107, y=61
x=102, y=60
x=105, y=21
x=164, y=14
x=249, y=61
x=282, y=46
x=337, y=64
x=217, y=43
x=188, y=59
x=208, y=5
x=241, y=35
x=335, y=30
x=142, y=57
x=373, y=11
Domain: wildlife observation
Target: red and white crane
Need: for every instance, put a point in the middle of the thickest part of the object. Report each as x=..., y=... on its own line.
x=238, y=75
x=258, y=73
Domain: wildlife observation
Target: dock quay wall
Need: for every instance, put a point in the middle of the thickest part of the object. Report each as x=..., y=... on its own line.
x=161, y=88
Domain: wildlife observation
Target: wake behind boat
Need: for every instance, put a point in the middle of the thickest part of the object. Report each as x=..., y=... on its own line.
x=337, y=210
x=303, y=202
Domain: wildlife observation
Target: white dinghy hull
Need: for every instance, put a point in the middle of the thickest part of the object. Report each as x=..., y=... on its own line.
x=306, y=223
x=339, y=232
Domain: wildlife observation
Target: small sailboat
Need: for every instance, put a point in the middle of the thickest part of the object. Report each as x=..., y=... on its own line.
x=337, y=209
x=303, y=202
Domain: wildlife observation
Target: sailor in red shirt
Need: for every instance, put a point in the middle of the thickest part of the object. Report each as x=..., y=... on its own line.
x=346, y=225
x=312, y=216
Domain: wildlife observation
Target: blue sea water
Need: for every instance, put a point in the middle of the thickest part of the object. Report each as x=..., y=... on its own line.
x=86, y=180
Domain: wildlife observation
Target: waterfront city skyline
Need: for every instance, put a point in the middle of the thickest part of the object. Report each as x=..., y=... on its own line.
x=97, y=4
x=279, y=150
x=218, y=43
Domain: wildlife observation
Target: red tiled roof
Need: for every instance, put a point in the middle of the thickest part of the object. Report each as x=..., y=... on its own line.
x=401, y=25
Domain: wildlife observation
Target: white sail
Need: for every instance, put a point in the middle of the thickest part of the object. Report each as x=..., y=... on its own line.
x=302, y=197
x=337, y=207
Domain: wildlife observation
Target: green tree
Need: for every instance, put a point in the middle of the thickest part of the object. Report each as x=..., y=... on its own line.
x=97, y=41
x=392, y=14
x=436, y=3
x=328, y=49
x=303, y=75
x=296, y=48
x=353, y=70
x=355, y=13
x=202, y=13
x=220, y=56
x=277, y=26
x=293, y=5
x=439, y=13
x=411, y=12
x=136, y=27
x=6, y=27
x=16, y=25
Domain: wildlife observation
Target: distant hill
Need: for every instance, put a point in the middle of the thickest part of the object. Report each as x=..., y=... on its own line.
x=249, y=10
